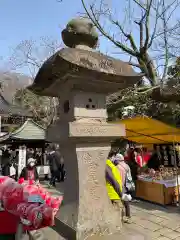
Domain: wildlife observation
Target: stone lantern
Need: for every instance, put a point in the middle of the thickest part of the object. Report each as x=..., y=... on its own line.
x=82, y=78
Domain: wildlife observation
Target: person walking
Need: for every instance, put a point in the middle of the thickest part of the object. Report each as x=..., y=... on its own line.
x=62, y=169
x=6, y=163
x=135, y=168
x=114, y=186
x=30, y=153
x=127, y=183
x=62, y=172
x=54, y=163
x=138, y=157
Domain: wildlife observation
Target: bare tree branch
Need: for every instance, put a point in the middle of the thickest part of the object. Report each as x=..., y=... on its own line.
x=31, y=55
x=153, y=28
x=148, y=9
x=165, y=43
x=95, y=21
x=140, y=23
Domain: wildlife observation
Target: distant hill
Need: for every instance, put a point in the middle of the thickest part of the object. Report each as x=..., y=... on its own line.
x=11, y=82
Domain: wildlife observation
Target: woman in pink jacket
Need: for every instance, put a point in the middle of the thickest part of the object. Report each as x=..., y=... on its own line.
x=125, y=173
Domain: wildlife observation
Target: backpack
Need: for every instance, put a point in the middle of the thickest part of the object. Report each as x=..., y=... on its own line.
x=129, y=184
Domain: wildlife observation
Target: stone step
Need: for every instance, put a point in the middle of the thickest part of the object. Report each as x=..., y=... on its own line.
x=128, y=233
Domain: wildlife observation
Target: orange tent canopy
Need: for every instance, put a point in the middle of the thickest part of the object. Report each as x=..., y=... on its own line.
x=145, y=130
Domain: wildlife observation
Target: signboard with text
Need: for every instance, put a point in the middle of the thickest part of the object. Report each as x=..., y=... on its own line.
x=22, y=160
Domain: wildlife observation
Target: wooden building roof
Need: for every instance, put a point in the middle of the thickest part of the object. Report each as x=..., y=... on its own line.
x=30, y=130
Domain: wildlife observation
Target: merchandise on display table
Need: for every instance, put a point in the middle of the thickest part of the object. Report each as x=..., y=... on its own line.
x=164, y=173
x=31, y=203
x=160, y=187
x=173, y=182
x=168, y=154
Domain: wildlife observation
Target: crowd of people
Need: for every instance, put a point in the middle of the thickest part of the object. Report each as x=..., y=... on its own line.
x=121, y=171
x=9, y=159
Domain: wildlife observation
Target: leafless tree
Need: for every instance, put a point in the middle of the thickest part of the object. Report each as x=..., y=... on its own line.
x=141, y=29
x=28, y=56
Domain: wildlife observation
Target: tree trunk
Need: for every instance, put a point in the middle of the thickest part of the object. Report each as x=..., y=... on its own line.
x=147, y=66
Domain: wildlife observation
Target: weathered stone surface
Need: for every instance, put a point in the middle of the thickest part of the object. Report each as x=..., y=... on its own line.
x=80, y=31
x=79, y=61
x=96, y=130
x=178, y=229
x=84, y=141
x=82, y=78
x=162, y=238
x=172, y=235
x=67, y=65
x=86, y=206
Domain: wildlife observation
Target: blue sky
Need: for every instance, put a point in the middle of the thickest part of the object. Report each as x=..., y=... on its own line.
x=25, y=19
x=31, y=19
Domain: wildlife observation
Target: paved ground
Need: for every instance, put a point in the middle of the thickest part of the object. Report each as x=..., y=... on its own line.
x=53, y=191
x=149, y=222
x=155, y=221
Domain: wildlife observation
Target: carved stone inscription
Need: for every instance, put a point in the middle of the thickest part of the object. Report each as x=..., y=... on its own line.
x=91, y=130
x=97, y=62
x=96, y=213
x=95, y=130
x=93, y=163
x=91, y=167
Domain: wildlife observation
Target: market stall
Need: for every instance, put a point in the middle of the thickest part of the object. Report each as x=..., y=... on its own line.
x=158, y=191
x=145, y=130
x=160, y=186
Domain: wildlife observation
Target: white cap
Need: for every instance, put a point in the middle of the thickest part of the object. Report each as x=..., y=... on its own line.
x=30, y=160
x=119, y=157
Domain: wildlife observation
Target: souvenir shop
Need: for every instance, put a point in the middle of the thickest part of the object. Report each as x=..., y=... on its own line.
x=159, y=181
